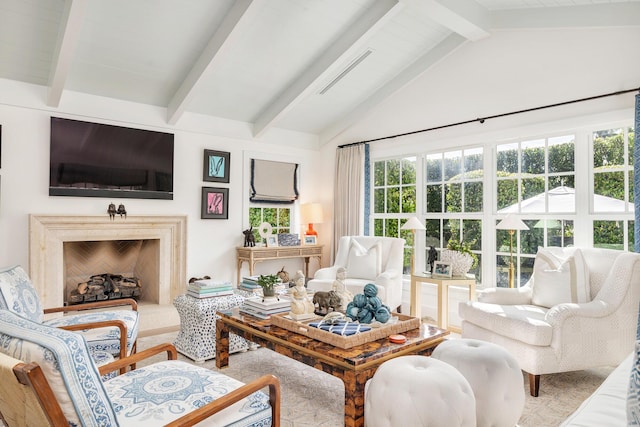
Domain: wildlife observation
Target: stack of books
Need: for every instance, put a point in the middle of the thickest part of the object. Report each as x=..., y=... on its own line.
x=209, y=288
x=263, y=308
x=250, y=284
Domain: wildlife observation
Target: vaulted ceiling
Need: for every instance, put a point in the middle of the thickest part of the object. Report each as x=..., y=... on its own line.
x=313, y=66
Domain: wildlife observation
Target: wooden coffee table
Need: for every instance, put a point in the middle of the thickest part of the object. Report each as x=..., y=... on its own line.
x=354, y=366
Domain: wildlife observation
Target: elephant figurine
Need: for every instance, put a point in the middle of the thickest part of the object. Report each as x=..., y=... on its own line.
x=327, y=300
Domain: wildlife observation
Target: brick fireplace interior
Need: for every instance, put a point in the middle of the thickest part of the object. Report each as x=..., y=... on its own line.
x=129, y=258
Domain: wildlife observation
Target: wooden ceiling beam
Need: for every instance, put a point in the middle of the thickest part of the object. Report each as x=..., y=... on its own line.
x=328, y=63
x=68, y=36
x=240, y=15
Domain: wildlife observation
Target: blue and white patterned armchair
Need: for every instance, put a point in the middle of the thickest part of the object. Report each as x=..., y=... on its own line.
x=103, y=330
x=170, y=392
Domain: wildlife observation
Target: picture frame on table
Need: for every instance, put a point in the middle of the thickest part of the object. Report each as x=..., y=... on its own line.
x=216, y=166
x=215, y=203
x=310, y=240
x=442, y=269
x=272, y=241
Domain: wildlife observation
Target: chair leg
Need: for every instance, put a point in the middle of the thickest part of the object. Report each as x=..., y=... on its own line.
x=534, y=384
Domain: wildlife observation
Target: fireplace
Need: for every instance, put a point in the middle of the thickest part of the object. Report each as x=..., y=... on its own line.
x=64, y=250
x=110, y=269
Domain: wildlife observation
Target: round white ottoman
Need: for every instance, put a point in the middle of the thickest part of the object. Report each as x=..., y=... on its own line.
x=418, y=391
x=494, y=376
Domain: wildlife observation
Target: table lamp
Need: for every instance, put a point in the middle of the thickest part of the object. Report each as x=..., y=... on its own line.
x=311, y=213
x=413, y=224
x=511, y=223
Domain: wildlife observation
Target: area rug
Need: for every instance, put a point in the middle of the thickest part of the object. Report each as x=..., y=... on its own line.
x=311, y=398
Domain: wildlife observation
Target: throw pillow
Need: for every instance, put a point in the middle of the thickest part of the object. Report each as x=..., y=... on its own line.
x=18, y=295
x=363, y=263
x=583, y=286
x=633, y=395
x=558, y=280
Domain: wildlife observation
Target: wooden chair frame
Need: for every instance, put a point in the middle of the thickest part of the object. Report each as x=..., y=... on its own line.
x=95, y=325
x=31, y=375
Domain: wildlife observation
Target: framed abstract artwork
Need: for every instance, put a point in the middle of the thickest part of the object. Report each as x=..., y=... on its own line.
x=216, y=166
x=215, y=203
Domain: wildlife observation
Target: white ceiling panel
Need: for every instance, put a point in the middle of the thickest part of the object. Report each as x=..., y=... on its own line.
x=257, y=61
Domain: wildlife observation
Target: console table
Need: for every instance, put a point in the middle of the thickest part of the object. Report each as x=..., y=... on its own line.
x=256, y=254
x=442, y=284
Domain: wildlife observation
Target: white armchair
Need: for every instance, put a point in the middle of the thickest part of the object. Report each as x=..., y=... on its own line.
x=596, y=327
x=367, y=259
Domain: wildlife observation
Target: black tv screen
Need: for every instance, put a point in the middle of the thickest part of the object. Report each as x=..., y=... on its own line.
x=98, y=160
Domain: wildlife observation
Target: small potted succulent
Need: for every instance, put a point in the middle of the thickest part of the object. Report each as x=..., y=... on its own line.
x=268, y=282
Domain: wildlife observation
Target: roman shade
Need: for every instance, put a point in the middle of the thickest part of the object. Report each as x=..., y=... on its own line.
x=273, y=182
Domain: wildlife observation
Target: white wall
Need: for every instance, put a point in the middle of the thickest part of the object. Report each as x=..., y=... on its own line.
x=211, y=243
x=509, y=71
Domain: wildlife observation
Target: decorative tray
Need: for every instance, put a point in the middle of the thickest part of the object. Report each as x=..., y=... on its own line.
x=402, y=324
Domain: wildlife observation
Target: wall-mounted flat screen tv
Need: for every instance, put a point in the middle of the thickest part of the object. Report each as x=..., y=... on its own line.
x=99, y=160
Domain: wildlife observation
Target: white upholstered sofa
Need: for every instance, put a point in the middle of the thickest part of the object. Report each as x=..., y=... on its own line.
x=547, y=334
x=607, y=406
x=367, y=259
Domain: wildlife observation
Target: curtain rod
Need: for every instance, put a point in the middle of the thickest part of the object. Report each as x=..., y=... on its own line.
x=482, y=119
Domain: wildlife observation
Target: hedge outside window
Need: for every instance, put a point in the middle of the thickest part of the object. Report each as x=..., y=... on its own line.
x=453, y=200
x=279, y=218
x=394, y=196
x=454, y=181
x=534, y=178
x=613, y=187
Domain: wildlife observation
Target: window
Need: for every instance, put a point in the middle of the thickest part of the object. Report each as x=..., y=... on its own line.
x=534, y=178
x=279, y=218
x=394, y=196
x=453, y=200
x=454, y=181
x=613, y=188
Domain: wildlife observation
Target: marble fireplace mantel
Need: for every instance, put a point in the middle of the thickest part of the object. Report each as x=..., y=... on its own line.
x=48, y=233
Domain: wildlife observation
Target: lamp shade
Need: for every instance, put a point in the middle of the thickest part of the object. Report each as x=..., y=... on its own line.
x=511, y=222
x=311, y=213
x=413, y=224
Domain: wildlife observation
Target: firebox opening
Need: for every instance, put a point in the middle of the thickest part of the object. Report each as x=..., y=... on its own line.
x=132, y=267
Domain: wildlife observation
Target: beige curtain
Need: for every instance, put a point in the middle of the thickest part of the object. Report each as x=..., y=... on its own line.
x=349, y=194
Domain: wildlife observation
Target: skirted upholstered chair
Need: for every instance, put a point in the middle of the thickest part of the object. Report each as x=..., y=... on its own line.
x=578, y=311
x=367, y=259
x=111, y=331
x=49, y=378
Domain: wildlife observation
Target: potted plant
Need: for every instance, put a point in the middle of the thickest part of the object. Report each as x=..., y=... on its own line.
x=267, y=282
x=459, y=254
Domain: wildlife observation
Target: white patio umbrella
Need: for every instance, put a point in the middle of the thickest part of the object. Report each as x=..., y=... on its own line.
x=563, y=199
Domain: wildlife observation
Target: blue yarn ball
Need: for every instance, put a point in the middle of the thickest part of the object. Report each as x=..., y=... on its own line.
x=370, y=290
x=375, y=303
x=382, y=315
x=360, y=300
x=365, y=316
x=352, y=311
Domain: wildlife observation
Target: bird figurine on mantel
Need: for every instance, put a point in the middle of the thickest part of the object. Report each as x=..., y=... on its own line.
x=111, y=210
x=122, y=211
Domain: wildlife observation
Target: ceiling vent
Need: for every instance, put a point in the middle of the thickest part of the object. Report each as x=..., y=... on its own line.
x=346, y=71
